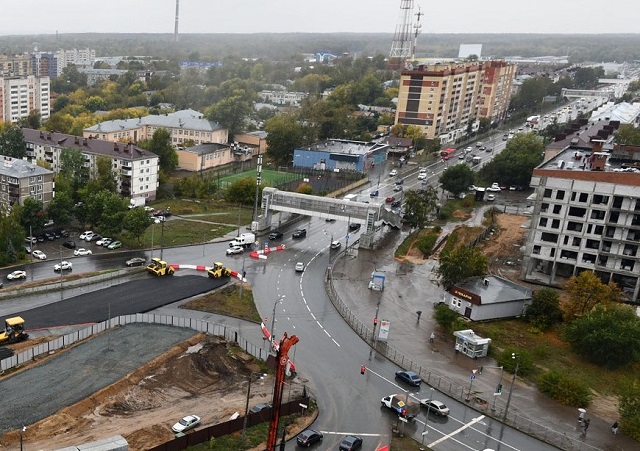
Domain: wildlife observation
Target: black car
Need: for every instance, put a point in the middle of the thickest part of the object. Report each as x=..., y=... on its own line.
x=95, y=237
x=275, y=235
x=354, y=226
x=49, y=236
x=69, y=244
x=300, y=233
x=409, y=377
x=63, y=233
x=308, y=437
x=400, y=182
x=350, y=443
x=136, y=261
x=396, y=204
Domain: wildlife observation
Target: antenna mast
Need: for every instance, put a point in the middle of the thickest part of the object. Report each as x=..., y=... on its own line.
x=401, y=46
x=416, y=31
x=175, y=30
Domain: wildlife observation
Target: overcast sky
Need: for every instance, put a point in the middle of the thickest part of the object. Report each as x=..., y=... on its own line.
x=316, y=16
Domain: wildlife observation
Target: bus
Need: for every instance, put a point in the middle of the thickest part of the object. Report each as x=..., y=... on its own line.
x=447, y=153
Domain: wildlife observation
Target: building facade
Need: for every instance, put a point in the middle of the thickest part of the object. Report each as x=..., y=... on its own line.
x=586, y=211
x=204, y=156
x=341, y=154
x=19, y=96
x=444, y=98
x=15, y=65
x=136, y=169
x=183, y=126
x=20, y=180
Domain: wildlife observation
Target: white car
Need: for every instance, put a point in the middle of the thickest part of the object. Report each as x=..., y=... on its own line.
x=494, y=188
x=188, y=422
x=101, y=241
x=39, y=255
x=17, y=275
x=82, y=251
x=299, y=267
x=336, y=244
x=83, y=235
x=422, y=176
x=63, y=266
x=435, y=407
x=88, y=236
x=393, y=173
x=491, y=198
x=235, y=250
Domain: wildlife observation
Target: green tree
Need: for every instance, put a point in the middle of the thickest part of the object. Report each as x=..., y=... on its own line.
x=514, y=165
x=136, y=221
x=630, y=409
x=160, y=144
x=72, y=168
x=567, y=389
x=446, y=318
x=484, y=125
x=233, y=103
x=242, y=191
x=460, y=263
x=627, y=134
x=12, y=142
x=11, y=236
x=419, y=205
x=104, y=177
x=285, y=134
x=544, y=310
x=512, y=356
x=608, y=335
x=457, y=178
x=60, y=207
x=585, y=291
x=31, y=214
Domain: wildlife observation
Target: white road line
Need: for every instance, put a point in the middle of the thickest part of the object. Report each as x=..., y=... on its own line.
x=462, y=428
x=334, y=340
x=353, y=433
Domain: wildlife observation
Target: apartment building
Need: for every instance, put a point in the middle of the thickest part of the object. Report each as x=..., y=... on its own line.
x=444, y=98
x=21, y=95
x=586, y=211
x=136, y=169
x=78, y=57
x=15, y=65
x=184, y=125
x=20, y=180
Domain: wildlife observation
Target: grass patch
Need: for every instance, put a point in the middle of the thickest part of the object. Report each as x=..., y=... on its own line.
x=227, y=301
x=178, y=233
x=402, y=250
x=452, y=209
x=269, y=177
x=461, y=236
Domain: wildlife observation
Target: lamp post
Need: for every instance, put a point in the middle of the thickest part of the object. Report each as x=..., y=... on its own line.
x=153, y=228
x=426, y=420
x=329, y=234
x=246, y=409
x=515, y=373
x=498, y=389
x=22, y=431
x=273, y=318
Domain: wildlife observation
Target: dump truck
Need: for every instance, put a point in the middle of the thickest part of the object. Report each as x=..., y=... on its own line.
x=219, y=270
x=159, y=268
x=403, y=405
x=13, y=331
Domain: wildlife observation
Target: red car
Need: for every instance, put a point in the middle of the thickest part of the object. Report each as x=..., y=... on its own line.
x=390, y=199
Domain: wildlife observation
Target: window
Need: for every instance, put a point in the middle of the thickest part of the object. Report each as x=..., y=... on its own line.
x=555, y=224
x=576, y=241
x=543, y=222
x=597, y=214
x=557, y=209
x=560, y=194
x=584, y=197
x=536, y=250
x=456, y=302
x=547, y=193
x=577, y=212
x=549, y=237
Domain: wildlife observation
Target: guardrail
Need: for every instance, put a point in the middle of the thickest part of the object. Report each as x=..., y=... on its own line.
x=450, y=387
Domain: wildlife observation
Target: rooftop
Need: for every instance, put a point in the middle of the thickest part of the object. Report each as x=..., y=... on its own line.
x=14, y=167
x=346, y=147
x=494, y=289
x=187, y=119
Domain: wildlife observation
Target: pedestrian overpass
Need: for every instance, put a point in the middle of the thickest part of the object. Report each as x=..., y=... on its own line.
x=579, y=93
x=370, y=216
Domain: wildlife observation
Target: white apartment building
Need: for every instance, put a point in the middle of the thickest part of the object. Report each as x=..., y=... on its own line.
x=78, y=57
x=586, y=211
x=136, y=169
x=21, y=95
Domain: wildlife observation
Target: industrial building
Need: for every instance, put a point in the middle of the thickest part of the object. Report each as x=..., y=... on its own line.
x=341, y=154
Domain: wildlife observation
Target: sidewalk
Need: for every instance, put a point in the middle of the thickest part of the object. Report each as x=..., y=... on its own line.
x=410, y=288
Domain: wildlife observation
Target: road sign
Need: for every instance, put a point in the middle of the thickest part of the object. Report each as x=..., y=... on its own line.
x=473, y=377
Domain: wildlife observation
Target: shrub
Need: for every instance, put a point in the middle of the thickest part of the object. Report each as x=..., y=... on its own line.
x=426, y=243
x=509, y=363
x=445, y=317
x=565, y=388
x=544, y=310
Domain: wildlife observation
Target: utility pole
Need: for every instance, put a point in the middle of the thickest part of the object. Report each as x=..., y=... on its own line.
x=515, y=373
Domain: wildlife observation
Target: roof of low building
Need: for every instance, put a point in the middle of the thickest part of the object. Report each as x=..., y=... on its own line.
x=346, y=147
x=495, y=290
x=187, y=119
x=203, y=149
x=15, y=167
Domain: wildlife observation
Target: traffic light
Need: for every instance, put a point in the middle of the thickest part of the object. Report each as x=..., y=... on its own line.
x=499, y=389
x=363, y=369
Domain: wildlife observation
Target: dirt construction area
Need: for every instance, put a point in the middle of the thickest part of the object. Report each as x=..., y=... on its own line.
x=200, y=375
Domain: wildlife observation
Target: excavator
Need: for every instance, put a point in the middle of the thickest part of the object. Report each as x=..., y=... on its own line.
x=218, y=270
x=13, y=331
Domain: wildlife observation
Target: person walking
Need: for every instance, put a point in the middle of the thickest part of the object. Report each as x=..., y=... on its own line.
x=433, y=337
x=585, y=425
x=614, y=428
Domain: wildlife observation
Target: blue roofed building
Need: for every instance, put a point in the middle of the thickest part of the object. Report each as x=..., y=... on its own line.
x=341, y=155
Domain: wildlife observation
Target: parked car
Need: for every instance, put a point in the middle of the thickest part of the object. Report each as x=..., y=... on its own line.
x=82, y=251
x=101, y=241
x=393, y=173
x=136, y=261
x=106, y=242
x=188, y=422
x=94, y=238
x=235, y=250
x=63, y=266
x=275, y=235
x=31, y=239
x=49, y=236
x=15, y=275
x=308, y=437
x=27, y=249
x=69, y=244
x=374, y=193
x=83, y=235
x=494, y=187
x=300, y=233
x=435, y=407
x=299, y=267
x=260, y=407
x=39, y=255
x=491, y=198
x=409, y=377
x=350, y=443
x=115, y=245
x=336, y=244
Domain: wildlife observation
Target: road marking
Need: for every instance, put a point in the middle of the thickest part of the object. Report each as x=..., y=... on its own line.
x=353, y=433
x=460, y=429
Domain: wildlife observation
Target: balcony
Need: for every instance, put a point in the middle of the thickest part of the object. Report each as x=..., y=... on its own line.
x=127, y=172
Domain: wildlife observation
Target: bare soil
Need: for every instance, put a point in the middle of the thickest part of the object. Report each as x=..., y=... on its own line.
x=205, y=376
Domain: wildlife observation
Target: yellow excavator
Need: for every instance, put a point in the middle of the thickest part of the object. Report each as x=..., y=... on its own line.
x=219, y=270
x=159, y=268
x=13, y=331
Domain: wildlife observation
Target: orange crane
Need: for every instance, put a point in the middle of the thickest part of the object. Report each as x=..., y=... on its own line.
x=282, y=357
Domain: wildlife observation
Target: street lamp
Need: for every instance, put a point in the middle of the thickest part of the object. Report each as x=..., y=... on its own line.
x=22, y=431
x=426, y=420
x=273, y=318
x=329, y=234
x=246, y=409
x=515, y=373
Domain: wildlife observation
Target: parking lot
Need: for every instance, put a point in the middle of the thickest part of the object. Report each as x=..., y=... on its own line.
x=55, y=249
